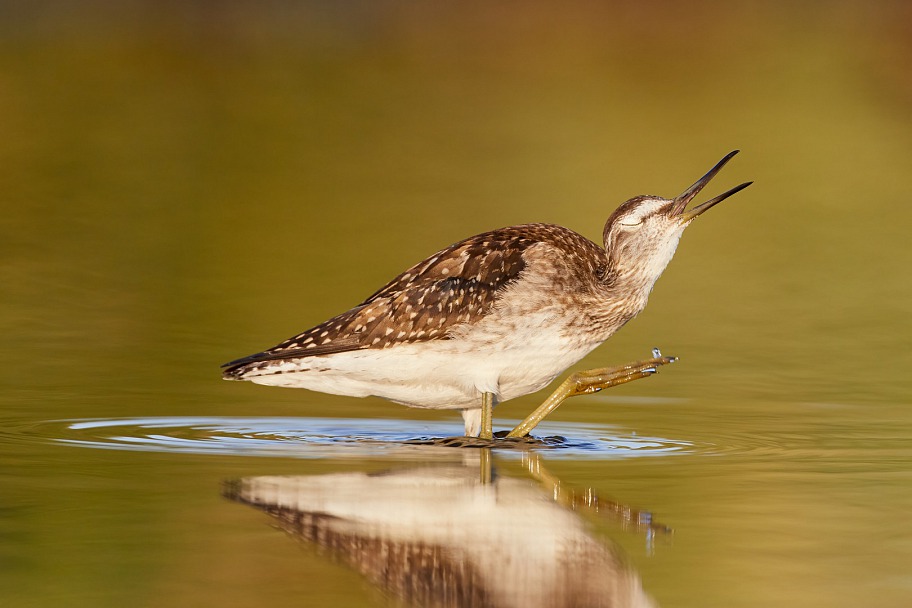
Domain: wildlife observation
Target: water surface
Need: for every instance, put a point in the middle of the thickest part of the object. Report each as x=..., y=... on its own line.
x=185, y=184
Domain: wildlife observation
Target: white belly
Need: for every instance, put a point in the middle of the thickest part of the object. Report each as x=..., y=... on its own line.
x=441, y=374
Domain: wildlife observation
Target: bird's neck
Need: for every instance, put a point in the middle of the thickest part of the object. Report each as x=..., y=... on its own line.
x=630, y=279
x=632, y=289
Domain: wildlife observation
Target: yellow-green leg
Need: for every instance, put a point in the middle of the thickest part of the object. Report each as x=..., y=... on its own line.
x=590, y=381
x=487, y=416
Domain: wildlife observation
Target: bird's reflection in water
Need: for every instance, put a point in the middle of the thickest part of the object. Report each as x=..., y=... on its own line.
x=458, y=534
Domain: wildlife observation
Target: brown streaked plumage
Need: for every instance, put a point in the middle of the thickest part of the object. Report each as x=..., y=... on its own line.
x=501, y=313
x=456, y=285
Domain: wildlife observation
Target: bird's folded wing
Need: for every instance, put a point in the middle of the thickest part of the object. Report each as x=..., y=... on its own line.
x=454, y=286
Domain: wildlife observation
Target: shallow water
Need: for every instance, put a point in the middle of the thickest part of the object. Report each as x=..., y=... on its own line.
x=801, y=504
x=326, y=438
x=185, y=185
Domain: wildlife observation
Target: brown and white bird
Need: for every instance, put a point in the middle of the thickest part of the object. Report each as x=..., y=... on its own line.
x=493, y=317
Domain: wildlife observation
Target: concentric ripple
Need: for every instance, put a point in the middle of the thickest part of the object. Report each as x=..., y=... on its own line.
x=328, y=437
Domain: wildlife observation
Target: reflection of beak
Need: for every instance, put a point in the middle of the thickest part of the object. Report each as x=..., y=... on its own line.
x=688, y=195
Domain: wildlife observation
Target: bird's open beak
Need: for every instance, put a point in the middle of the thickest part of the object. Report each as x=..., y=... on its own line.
x=681, y=201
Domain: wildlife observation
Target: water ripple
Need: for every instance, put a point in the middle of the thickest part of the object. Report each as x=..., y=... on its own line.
x=328, y=437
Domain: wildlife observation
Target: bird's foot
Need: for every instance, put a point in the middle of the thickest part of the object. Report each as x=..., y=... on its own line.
x=591, y=381
x=500, y=441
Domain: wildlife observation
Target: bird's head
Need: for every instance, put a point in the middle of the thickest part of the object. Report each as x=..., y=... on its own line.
x=642, y=234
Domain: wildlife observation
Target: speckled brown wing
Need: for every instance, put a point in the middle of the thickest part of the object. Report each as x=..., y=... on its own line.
x=456, y=285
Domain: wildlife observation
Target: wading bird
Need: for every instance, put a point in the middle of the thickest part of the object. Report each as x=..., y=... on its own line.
x=493, y=317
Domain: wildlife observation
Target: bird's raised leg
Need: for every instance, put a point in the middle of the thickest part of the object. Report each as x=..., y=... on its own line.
x=590, y=381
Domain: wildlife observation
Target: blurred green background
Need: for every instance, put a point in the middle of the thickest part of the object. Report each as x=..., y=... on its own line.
x=186, y=182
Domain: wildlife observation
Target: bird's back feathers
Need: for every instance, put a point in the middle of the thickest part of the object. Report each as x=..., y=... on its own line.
x=457, y=285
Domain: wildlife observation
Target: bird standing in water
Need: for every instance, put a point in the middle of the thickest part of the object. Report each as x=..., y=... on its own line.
x=493, y=317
